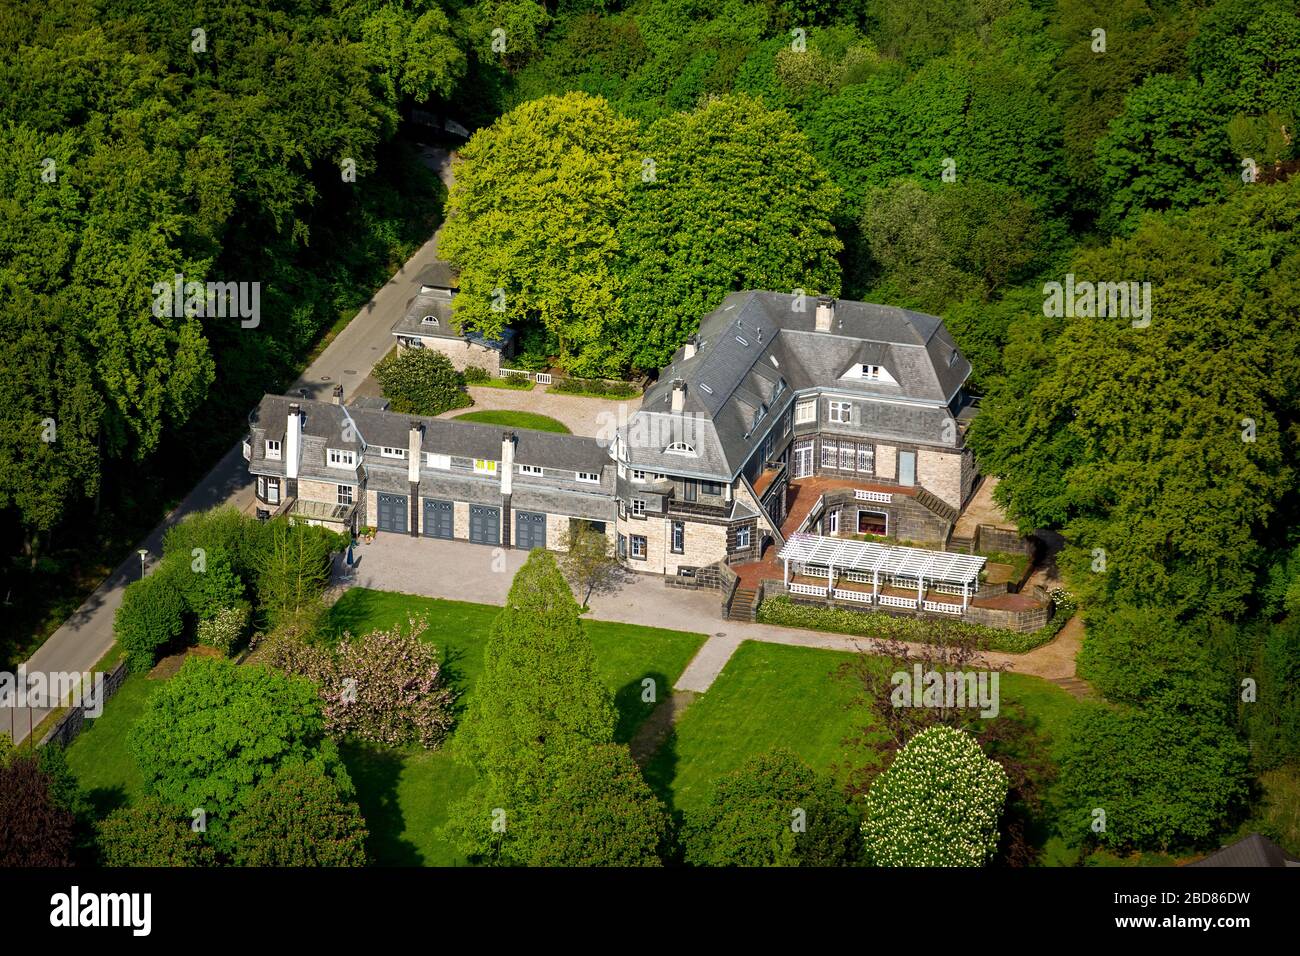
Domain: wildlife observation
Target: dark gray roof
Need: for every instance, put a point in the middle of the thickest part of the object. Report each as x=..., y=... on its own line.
x=327, y=421
x=438, y=274
x=439, y=304
x=755, y=351
x=1252, y=850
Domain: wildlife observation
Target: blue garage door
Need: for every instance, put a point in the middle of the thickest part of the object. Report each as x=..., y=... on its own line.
x=439, y=519
x=484, y=524
x=530, y=530
x=392, y=513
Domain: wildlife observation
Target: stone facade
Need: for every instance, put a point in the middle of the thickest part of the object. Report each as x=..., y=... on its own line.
x=464, y=353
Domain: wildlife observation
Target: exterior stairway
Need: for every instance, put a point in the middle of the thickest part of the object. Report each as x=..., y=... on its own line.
x=937, y=505
x=744, y=605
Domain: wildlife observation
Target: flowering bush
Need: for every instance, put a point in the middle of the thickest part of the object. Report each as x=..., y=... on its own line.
x=224, y=628
x=938, y=804
x=386, y=687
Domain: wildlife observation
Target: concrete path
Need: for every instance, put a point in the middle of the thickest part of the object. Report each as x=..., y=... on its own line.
x=86, y=636
x=457, y=570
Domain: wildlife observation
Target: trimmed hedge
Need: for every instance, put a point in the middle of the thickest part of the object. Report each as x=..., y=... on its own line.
x=594, y=388
x=783, y=612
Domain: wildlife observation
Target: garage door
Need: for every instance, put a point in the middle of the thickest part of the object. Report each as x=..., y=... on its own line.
x=392, y=513
x=484, y=524
x=438, y=520
x=530, y=530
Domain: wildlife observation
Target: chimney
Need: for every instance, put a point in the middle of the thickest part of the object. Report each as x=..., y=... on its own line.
x=691, y=345
x=679, y=396
x=413, y=452
x=507, y=479
x=338, y=394
x=825, y=312
x=292, y=441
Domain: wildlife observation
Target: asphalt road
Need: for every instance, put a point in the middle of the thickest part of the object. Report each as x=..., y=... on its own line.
x=86, y=636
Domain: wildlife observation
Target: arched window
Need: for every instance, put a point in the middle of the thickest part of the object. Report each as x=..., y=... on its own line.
x=429, y=320
x=680, y=448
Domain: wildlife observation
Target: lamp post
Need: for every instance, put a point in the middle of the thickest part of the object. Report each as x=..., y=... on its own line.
x=143, y=552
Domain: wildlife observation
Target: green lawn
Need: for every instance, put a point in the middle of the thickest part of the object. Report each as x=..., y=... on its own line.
x=773, y=695
x=98, y=757
x=405, y=795
x=509, y=419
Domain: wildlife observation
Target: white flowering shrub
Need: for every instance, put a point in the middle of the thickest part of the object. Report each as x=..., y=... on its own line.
x=938, y=804
x=224, y=628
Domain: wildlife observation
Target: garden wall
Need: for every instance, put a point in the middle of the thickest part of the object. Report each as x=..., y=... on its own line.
x=67, y=727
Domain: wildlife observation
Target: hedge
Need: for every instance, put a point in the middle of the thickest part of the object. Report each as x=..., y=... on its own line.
x=783, y=612
x=594, y=388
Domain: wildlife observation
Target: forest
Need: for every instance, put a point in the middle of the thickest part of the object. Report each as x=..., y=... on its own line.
x=633, y=162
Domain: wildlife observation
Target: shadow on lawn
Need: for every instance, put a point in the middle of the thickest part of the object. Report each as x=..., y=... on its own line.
x=375, y=771
x=633, y=709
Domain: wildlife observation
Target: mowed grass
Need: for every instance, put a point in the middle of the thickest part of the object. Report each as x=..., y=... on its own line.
x=773, y=695
x=511, y=419
x=99, y=759
x=405, y=795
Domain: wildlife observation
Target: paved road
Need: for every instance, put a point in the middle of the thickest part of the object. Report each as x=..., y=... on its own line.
x=87, y=635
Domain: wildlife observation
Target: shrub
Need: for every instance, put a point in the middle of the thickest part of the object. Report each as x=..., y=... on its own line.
x=938, y=804
x=1162, y=779
x=149, y=833
x=594, y=387
x=206, y=579
x=773, y=811
x=152, y=614
x=34, y=829
x=474, y=374
x=293, y=568
x=224, y=628
x=239, y=538
x=300, y=816
x=214, y=731
x=782, y=611
x=386, y=687
x=421, y=382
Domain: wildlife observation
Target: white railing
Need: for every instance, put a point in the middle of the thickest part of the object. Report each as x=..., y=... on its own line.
x=882, y=496
x=507, y=372
x=542, y=378
x=892, y=601
x=846, y=595
x=858, y=577
x=945, y=588
x=943, y=607
x=813, y=590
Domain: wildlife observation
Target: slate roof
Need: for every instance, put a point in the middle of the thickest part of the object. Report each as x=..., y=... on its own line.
x=438, y=303
x=438, y=274
x=756, y=350
x=326, y=421
x=1253, y=850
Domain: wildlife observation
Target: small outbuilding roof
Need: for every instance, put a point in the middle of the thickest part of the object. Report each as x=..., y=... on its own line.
x=847, y=554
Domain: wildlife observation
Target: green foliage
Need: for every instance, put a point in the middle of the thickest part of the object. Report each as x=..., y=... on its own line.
x=421, y=382
x=417, y=54
x=546, y=240
x=592, y=387
x=938, y=804
x=1162, y=780
x=207, y=580
x=599, y=813
x=225, y=627
x=689, y=236
x=773, y=811
x=151, y=616
x=300, y=816
x=1167, y=150
x=1273, y=719
x=215, y=731
x=293, y=569
x=149, y=833
x=538, y=701
x=1248, y=54
x=1145, y=657
x=238, y=538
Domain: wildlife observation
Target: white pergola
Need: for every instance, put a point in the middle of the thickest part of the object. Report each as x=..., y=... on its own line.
x=879, y=560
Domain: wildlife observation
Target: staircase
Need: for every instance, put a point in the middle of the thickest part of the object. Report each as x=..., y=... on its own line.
x=936, y=505
x=964, y=545
x=744, y=605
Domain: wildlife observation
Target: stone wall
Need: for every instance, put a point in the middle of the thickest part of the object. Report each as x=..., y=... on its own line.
x=991, y=538
x=463, y=354
x=940, y=473
x=908, y=520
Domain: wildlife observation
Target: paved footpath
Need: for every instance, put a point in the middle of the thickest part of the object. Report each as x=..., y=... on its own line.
x=85, y=637
x=460, y=571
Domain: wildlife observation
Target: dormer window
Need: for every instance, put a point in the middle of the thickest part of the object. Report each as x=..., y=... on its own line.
x=339, y=458
x=429, y=320
x=871, y=371
x=680, y=448
x=866, y=372
x=392, y=452
x=272, y=450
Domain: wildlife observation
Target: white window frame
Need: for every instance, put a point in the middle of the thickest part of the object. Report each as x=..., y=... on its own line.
x=341, y=458
x=632, y=547
x=342, y=492
x=867, y=453
x=830, y=454
x=386, y=452
x=841, y=412
x=430, y=320
x=742, y=538
x=273, y=450
x=680, y=448
x=832, y=522
x=677, y=533
x=805, y=411
x=434, y=460
x=530, y=469
x=590, y=477
x=638, y=507
x=639, y=476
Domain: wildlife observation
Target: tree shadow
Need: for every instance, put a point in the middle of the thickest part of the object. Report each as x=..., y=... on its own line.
x=375, y=771
x=632, y=709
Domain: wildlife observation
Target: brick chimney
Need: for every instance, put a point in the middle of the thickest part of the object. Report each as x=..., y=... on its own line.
x=825, y=313
x=679, y=396
x=413, y=452
x=338, y=394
